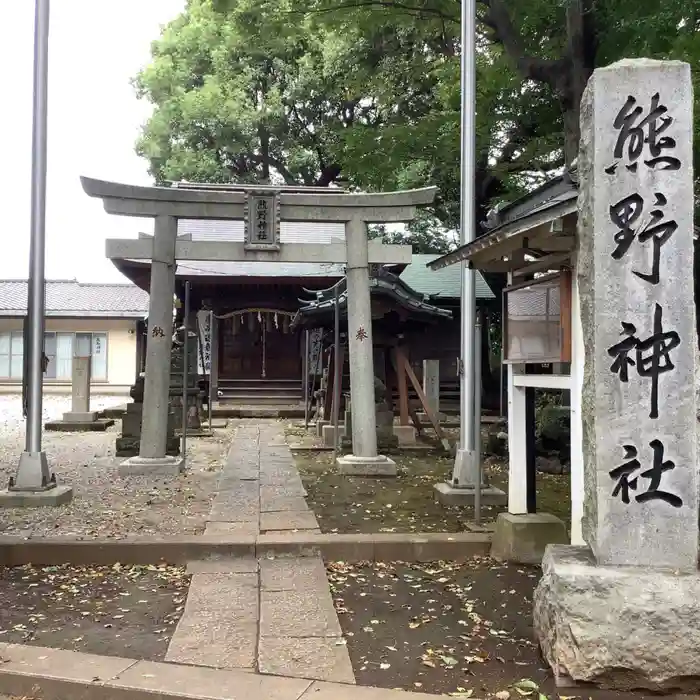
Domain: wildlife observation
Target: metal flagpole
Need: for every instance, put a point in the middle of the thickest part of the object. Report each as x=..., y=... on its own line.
x=33, y=473
x=466, y=463
x=337, y=371
x=185, y=368
x=477, y=412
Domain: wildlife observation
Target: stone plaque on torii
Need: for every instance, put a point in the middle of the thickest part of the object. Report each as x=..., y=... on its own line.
x=262, y=208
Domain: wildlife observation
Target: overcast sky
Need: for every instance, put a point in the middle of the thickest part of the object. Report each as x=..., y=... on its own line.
x=94, y=117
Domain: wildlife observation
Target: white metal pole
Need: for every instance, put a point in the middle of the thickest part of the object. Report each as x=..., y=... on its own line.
x=38, y=224
x=477, y=413
x=185, y=368
x=465, y=466
x=337, y=372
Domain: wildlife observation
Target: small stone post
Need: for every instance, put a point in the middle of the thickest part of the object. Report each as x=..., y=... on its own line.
x=364, y=459
x=431, y=384
x=80, y=418
x=80, y=394
x=625, y=608
x=152, y=457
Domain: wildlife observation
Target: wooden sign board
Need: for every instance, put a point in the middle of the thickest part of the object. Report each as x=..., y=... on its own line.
x=537, y=320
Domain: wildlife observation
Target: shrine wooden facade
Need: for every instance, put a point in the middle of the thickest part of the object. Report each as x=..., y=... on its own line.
x=255, y=304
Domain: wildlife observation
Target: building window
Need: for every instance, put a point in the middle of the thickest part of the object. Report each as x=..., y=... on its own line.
x=59, y=348
x=11, y=355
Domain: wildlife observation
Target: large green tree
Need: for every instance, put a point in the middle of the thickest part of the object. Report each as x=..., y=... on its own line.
x=366, y=92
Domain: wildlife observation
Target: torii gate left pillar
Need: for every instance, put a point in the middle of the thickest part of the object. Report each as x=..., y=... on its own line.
x=262, y=209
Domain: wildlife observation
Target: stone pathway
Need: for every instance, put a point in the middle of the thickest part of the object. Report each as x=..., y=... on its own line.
x=270, y=615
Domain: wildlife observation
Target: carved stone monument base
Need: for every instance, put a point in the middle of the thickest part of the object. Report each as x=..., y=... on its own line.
x=366, y=466
x=622, y=628
x=79, y=422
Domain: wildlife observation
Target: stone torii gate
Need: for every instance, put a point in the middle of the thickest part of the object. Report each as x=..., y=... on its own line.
x=262, y=209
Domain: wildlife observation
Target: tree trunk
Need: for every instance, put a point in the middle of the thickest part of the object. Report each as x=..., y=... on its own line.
x=581, y=50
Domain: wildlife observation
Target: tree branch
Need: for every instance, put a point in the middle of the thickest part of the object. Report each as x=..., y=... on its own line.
x=411, y=10
x=278, y=165
x=498, y=19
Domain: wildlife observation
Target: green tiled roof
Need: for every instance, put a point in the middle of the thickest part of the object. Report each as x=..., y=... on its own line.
x=444, y=283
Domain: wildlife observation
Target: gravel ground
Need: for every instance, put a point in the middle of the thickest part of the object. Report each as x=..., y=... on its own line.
x=441, y=627
x=106, y=505
x=128, y=611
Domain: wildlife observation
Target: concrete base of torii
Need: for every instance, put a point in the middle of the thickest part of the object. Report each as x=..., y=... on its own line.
x=152, y=466
x=379, y=466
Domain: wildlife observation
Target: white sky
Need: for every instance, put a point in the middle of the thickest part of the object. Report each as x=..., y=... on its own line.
x=95, y=49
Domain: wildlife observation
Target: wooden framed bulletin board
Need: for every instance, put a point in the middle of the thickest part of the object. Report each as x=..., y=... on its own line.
x=537, y=320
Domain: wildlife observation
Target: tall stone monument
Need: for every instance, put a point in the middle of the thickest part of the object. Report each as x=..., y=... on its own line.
x=624, y=611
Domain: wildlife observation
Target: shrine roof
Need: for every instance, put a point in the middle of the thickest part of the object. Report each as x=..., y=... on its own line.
x=384, y=284
x=541, y=225
x=254, y=268
x=445, y=283
x=70, y=298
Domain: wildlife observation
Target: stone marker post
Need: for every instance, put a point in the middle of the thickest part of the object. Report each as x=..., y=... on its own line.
x=80, y=392
x=626, y=609
x=80, y=418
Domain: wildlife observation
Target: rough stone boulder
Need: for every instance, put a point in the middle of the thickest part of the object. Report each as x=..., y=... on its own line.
x=622, y=628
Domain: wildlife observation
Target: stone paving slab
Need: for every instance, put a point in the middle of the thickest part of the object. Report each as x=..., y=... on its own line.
x=214, y=641
x=298, y=613
x=223, y=565
x=236, y=491
x=288, y=520
x=229, y=514
x=224, y=594
x=55, y=674
x=281, y=617
x=195, y=682
x=319, y=658
x=292, y=574
x=239, y=529
x=289, y=487
x=275, y=502
x=52, y=663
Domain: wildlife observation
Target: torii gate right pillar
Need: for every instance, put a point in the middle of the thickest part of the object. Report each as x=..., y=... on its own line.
x=364, y=460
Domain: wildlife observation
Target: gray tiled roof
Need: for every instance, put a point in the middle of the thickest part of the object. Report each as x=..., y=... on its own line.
x=72, y=298
x=442, y=284
x=255, y=268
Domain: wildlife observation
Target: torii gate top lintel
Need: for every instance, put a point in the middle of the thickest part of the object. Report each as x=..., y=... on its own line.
x=201, y=203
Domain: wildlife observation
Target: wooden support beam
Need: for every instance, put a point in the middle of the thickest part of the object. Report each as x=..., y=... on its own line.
x=403, y=387
x=424, y=401
x=565, y=293
x=549, y=262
